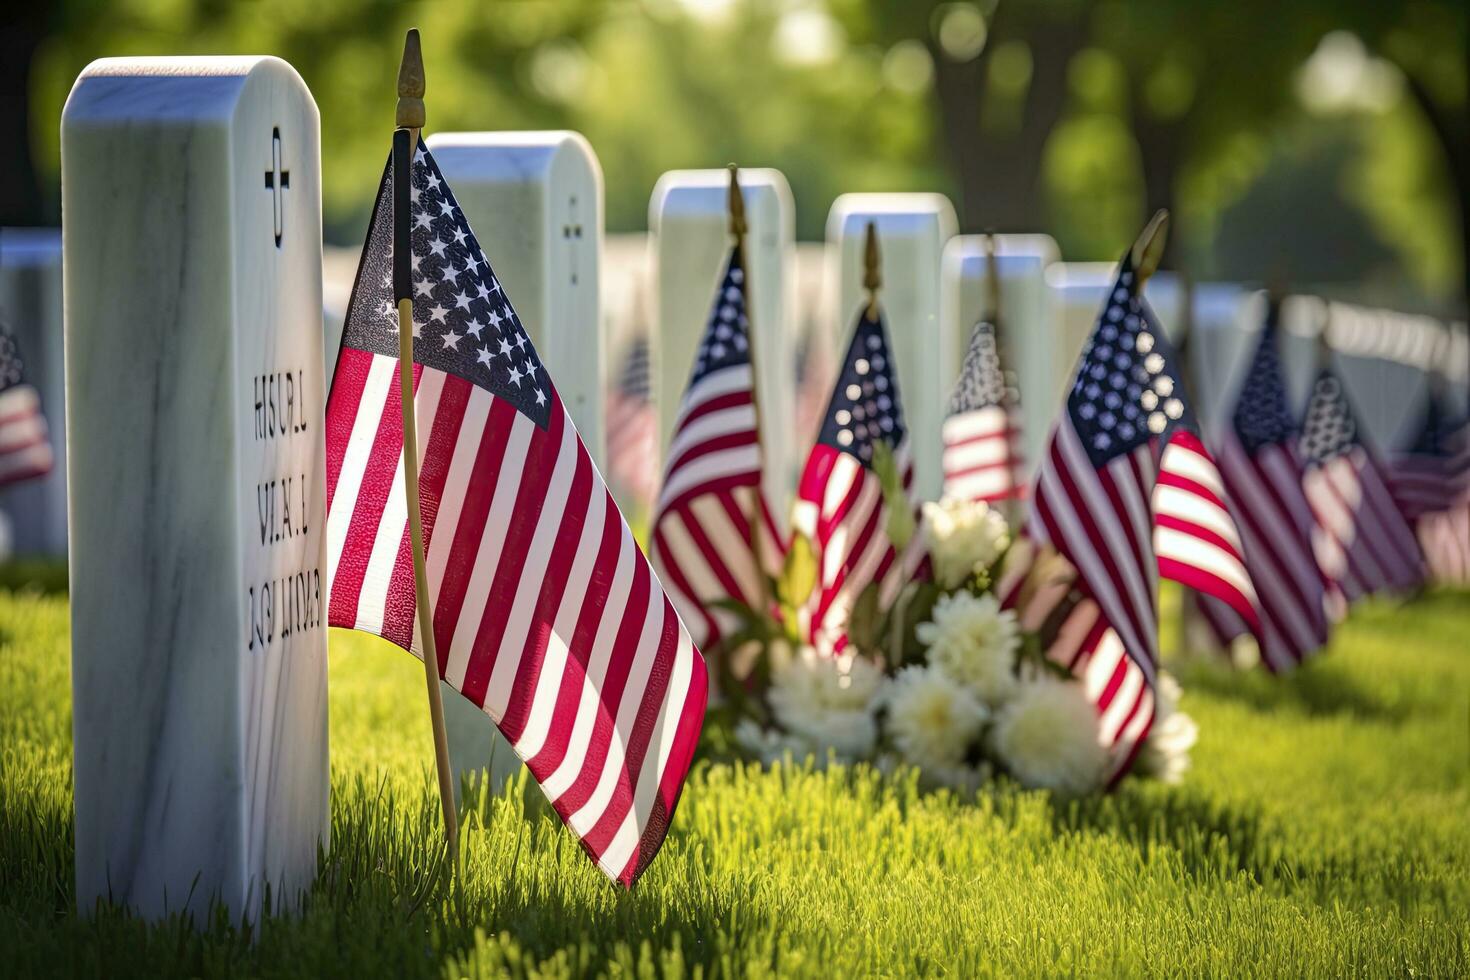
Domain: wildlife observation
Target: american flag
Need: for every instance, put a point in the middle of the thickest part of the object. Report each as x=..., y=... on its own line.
x=1122, y=519
x=839, y=502
x=981, y=458
x=713, y=535
x=1445, y=538
x=25, y=442
x=632, y=430
x=1433, y=473
x=1263, y=476
x=1362, y=542
x=1430, y=482
x=546, y=614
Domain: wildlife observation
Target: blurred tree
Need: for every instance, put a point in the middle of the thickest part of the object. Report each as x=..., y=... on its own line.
x=1427, y=41
x=1000, y=84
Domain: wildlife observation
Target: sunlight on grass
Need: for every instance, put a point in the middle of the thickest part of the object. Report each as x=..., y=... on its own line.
x=1322, y=831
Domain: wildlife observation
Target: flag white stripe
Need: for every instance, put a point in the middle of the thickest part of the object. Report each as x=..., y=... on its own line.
x=660, y=744
x=528, y=589
x=994, y=453
x=964, y=426
x=730, y=545
x=1205, y=555
x=1080, y=549
x=553, y=668
x=1188, y=506
x=381, y=374
x=487, y=556
x=727, y=381
x=1185, y=461
x=607, y=630
x=721, y=422
x=710, y=466
x=588, y=815
x=456, y=487
x=372, y=597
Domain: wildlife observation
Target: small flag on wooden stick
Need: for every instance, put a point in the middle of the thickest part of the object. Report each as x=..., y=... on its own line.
x=982, y=428
x=1127, y=493
x=713, y=536
x=1263, y=475
x=843, y=506
x=1362, y=542
x=532, y=599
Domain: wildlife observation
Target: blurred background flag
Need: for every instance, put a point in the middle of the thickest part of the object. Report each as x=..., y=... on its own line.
x=1430, y=482
x=25, y=442
x=632, y=429
x=1362, y=542
x=1263, y=476
x=981, y=457
x=859, y=468
x=713, y=536
x=982, y=428
x=1433, y=473
x=546, y=614
x=840, y=505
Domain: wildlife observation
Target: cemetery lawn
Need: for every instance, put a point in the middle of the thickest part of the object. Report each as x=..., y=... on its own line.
x=1324, y=830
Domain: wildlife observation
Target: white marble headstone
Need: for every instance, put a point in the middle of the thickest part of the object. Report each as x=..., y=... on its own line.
x=689, y=225
x=1025, y=338
x=191, y=193
x=30, y=307
x=534, y=200
x=912, y=232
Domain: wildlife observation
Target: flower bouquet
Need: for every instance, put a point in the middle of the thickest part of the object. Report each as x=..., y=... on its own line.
x=944, y=679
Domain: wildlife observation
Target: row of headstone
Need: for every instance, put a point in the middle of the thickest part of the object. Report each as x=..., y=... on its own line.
x=198, y=346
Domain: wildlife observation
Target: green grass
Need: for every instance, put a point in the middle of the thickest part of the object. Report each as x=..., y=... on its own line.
x=1325, y=830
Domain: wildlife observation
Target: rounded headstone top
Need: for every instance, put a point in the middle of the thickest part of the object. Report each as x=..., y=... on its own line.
x=183, y=87
x=913, y=211
x=765, y=190
x=523, y=153
x=964, y=251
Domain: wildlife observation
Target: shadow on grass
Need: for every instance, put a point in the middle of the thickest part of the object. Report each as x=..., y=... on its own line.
x=383, y=902
x=1213, y=840
x=1320, y=688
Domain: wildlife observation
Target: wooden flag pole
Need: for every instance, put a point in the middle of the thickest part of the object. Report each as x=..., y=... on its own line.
x=410, y=121
x=992, y=284
x=872, y=270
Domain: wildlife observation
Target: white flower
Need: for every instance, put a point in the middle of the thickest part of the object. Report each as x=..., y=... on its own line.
x=1047, y=736
x=973, y=641
x=964, y=537
x=827, y=701
x=1165, y=753
x=932, y=719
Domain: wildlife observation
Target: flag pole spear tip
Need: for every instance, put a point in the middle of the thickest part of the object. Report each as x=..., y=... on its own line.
x=736, y=205
x=872, y=274
x=411, y=112
x=1148, y=250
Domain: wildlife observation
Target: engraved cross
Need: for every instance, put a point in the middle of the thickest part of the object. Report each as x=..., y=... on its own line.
x=277, y=181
